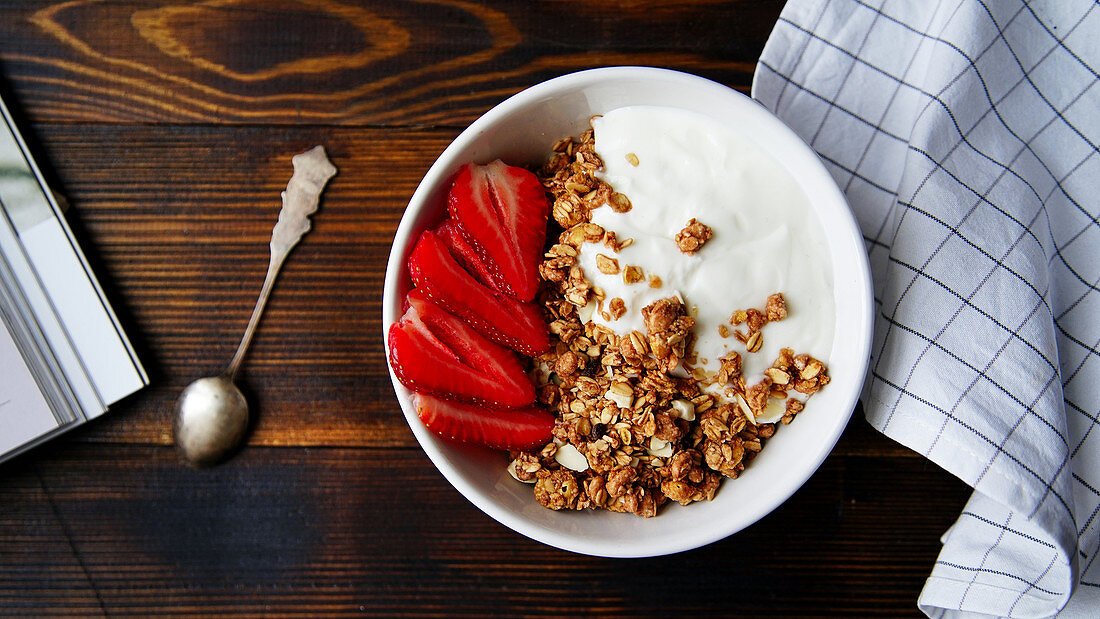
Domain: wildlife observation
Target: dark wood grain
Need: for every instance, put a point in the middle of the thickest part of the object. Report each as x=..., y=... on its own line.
x=379, y=531
x=169, y=126
x=439, y=62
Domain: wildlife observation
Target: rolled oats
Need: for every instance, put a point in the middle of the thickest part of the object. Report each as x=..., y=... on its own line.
x=606, y=265
x=620, y=203
x=633, y=274
x=754, y=342
x=616, y=308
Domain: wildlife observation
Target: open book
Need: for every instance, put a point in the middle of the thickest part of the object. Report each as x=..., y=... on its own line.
x=63, y=356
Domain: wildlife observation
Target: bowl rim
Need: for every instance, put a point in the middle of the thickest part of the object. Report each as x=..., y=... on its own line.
x=443, y=167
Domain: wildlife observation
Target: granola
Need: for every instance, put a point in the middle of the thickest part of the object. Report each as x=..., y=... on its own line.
x=632, y=431
x=693, y=236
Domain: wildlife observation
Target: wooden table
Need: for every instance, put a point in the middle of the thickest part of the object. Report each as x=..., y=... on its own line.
x=170, y=126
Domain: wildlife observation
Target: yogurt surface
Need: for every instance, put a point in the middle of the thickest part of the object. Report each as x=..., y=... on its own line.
x=766, y=237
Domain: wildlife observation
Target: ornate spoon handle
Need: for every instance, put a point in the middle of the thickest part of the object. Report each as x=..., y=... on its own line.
x=312, y=170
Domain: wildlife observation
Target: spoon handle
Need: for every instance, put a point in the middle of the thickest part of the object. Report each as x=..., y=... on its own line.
x=312, y=170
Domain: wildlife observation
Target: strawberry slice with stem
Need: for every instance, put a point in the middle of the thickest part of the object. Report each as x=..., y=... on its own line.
x=519, y=326
x=502, y=211
x=464, y=253
x=519, y=429
x=435, y=352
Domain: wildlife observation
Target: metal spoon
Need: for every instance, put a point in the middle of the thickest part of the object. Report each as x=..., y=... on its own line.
x=212, y=414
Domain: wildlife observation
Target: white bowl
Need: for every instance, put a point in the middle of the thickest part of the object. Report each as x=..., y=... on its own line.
x=521, y=131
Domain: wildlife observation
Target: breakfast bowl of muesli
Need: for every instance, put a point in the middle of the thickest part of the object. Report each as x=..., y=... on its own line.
x=627, y=312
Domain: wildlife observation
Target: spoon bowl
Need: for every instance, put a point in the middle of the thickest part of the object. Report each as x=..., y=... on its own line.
x=211, y=419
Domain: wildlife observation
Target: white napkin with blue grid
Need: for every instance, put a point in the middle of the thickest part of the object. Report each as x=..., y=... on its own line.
x=964, y=134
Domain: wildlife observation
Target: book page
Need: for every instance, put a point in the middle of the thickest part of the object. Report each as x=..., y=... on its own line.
x=98, y=341
x=74, y=322
x=24, y=412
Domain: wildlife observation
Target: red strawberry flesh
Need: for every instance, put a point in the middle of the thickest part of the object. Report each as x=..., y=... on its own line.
x=464, y=253
x=519, y=326
x=516, y=429
x=432, y=351
x=502, y=212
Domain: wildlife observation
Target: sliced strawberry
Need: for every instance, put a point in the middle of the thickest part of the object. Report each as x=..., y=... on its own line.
x=464, y=253
x=434, y=352
x=516, y=429
x=502, y=211
x=519, y=326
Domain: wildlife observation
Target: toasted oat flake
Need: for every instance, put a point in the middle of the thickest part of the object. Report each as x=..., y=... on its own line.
x=632, y=159
x=620, y=203
x=812, y=370
x=633, y=274
x=579, y=188
x=593, y=233
x=607, y=265
x=755, y=341
x=616, y=308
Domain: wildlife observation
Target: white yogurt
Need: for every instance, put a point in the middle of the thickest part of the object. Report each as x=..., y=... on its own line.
x=766, y=236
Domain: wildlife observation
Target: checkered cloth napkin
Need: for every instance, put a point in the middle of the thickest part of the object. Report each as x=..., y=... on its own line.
x=964, y=133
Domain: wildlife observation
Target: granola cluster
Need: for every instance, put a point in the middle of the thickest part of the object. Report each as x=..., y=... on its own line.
x=570, y=176
x=630, y=434
x=692, y=237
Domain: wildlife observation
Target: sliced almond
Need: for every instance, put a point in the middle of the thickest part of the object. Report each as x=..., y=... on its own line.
x=572, y=459
x=659, y=448
x=621, y=394
x=684, y=409
x=745, y=409
x=812, y=370
x=778, y=376
x=585, y=312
